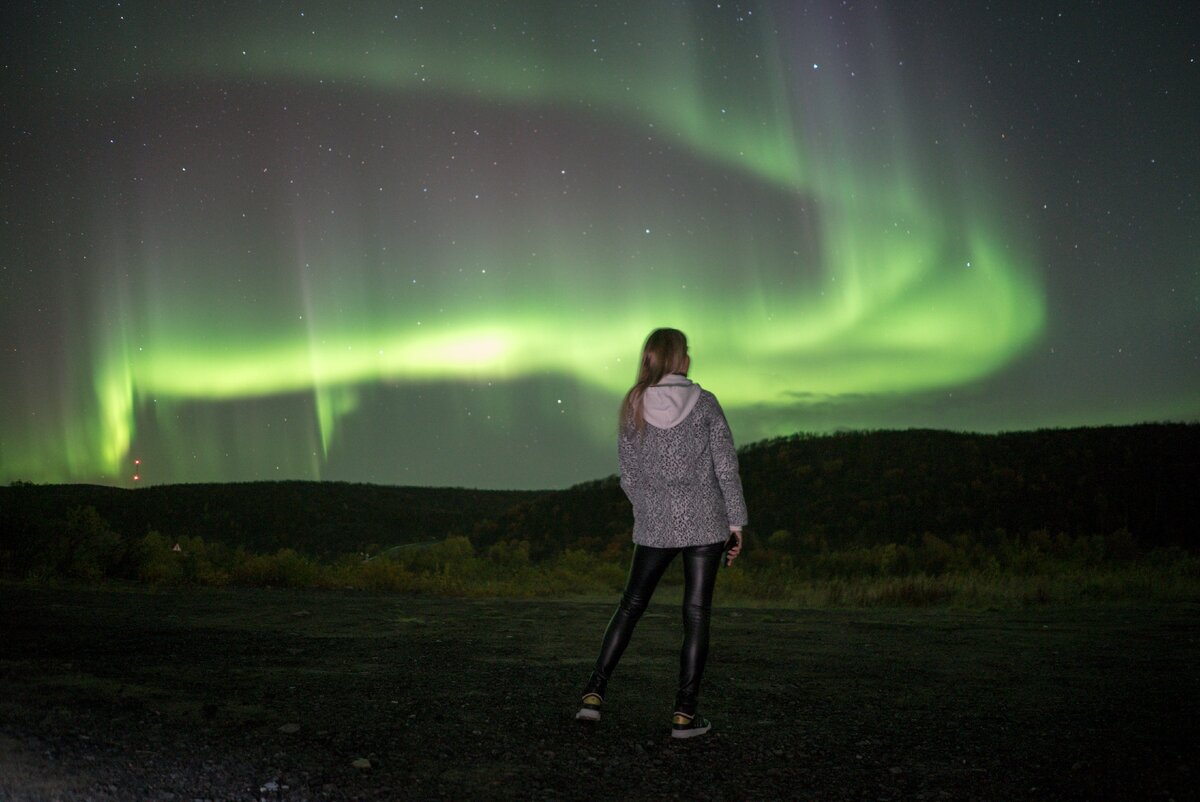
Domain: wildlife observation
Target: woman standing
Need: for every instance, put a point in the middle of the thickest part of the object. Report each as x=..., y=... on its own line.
x=679, y=469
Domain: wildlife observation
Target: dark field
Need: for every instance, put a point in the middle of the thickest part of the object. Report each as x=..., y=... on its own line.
x=214, y=694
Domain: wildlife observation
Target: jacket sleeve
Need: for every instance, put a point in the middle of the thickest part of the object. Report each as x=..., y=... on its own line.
x=631, y=471
x=725, y=464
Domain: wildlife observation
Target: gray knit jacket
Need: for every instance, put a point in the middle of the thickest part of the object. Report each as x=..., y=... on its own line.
x=683, y=480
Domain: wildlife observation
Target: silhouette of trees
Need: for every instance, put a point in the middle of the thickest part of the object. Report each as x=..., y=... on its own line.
x=882, y=505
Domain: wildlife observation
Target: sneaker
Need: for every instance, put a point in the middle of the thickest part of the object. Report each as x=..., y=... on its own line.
x=689, y=726
x=591, y=707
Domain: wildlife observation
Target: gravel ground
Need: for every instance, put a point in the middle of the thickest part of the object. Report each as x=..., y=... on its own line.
x=126, y=693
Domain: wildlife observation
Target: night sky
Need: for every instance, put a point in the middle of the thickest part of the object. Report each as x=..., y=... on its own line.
x=422, y=243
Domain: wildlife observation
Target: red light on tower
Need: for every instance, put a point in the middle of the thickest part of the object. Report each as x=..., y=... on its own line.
x=136, y=477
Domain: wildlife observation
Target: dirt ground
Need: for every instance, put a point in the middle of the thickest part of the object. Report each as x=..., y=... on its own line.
x=116, y=694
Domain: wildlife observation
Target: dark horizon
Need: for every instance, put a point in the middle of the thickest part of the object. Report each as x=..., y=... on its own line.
x=758, y=444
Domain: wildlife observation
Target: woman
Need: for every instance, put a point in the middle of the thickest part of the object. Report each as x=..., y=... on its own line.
x=680, y=471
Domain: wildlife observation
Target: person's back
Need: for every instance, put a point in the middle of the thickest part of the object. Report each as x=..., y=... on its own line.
x=680, y=477
x=679, y=470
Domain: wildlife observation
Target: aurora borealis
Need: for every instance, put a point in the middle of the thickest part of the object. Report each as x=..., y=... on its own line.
x=421, y=243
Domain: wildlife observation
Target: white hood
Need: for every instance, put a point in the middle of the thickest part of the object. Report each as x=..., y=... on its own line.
x=667, y=403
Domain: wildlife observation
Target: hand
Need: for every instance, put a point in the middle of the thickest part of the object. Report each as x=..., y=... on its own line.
x=733, y=552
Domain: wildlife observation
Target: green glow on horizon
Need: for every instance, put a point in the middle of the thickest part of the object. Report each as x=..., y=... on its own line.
x=902, y=300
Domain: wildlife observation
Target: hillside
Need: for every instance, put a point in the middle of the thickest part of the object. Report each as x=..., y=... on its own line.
x=833, y=491
x=322, y=519
x=863, y=488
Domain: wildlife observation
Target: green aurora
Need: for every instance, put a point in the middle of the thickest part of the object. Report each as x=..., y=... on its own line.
x=822, y=265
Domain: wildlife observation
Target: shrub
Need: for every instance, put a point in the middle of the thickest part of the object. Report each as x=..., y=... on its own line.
x=379, y=575
x=780, y=540
x=157, y=563
x=896, y=560
x=510, y=554
x=95, y=549
x=936, y=555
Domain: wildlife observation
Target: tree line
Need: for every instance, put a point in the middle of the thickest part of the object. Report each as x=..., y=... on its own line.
x=887, y=503
x=1134, y=485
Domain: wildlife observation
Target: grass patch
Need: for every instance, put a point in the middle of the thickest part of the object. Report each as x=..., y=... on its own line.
x=994, y=572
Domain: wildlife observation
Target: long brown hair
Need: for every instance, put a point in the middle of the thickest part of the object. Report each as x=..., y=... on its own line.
x=665, y=352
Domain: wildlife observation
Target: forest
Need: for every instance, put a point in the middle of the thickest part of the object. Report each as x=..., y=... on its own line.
x=906, y=517
x=867, y=488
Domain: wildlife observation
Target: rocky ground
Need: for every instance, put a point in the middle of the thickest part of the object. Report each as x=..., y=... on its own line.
x=127, y=693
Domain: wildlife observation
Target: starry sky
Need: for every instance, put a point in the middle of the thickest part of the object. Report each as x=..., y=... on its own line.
x=421, y=243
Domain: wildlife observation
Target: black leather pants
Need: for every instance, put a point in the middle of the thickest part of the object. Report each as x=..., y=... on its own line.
x=700, y=564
